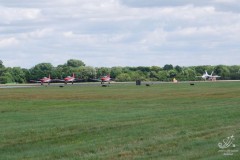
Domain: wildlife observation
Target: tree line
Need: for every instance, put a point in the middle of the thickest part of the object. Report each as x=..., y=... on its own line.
x=144, y=73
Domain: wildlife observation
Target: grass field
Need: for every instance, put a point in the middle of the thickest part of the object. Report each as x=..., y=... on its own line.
x=164, y=121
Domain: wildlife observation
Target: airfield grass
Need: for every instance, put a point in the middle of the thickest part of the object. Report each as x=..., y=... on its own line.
x=163, y=121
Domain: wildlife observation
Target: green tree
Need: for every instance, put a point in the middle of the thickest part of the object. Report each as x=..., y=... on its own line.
x=154, y=75
x=178, y=69
x=234, y=72
x=189, y=74
x=75, y=63
x=163, y=76
x=156, y=69
x=172, y=73
x=86, y=72
x=41, y=70
x=18, y=75
x=222, y=71
x=123, y=77
x=1, y=64
x=144, y=69
x=199, y=70
x=168, y=67
x=27, y=74
x=6, y=78
x=2, y=68
x=115, y=71
x=64, y=70
x=127, y=69
x=102, y=71
x=137, y=75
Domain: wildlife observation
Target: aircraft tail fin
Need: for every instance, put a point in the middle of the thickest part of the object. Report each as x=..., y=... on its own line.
x=73, y=75
x=212, y=73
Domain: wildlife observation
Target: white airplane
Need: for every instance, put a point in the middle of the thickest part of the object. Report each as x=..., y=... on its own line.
x=206, y=76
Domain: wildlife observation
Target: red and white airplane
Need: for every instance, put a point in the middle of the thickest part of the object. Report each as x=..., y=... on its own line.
x=44, y=80
x=106, y=78
x=71, y=79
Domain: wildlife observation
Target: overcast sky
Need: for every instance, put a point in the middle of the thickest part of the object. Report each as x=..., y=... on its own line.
x=120, y=32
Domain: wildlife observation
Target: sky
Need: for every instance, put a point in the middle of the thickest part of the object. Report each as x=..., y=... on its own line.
x=107, y=33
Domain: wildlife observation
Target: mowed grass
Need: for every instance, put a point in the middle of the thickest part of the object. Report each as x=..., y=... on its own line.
x=163, y=121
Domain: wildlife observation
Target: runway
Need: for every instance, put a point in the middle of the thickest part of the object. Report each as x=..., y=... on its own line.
x=18, y=86
x=30, y=85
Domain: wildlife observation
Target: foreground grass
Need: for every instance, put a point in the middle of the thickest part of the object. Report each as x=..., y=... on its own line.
x=166, y=121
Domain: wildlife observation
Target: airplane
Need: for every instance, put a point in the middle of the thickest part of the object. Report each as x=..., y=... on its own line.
x=71, y=79
x=206, y=76
x=105, y=79
x=44, y=80
x=94, y=80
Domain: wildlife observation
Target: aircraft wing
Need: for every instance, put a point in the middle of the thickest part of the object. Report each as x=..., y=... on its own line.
x=55, y=80
x=94, y=80
x=215, y=76
x=79, y=80
x=35, y=81
x=61, y=80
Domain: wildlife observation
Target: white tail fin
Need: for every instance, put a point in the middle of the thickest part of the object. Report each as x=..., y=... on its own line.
x=212, y=73
x=73, y=75
x=206, y=72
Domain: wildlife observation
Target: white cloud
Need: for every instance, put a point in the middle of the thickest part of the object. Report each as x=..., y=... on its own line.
x=39, y=33
x=226, y=1
x=133, y=32
x=8, y=15
x=95, y=39
x=8, y=42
